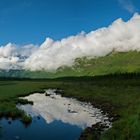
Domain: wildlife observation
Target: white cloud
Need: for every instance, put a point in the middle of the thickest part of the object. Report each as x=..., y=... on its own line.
x=6, y=51
x=13, y=56
x=119, y=36
x=128, y=5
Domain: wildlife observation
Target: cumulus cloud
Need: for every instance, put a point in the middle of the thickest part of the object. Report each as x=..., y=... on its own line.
x=128, y=5
x=13, y=56
x=119, y=36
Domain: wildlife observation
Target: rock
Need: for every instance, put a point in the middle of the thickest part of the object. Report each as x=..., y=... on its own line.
x=38, y=117
x=47, y=94
x=72, y=111
x=9, y=122
x=59, y=91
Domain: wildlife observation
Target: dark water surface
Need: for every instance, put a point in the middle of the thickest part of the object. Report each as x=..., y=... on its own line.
x=38, y=130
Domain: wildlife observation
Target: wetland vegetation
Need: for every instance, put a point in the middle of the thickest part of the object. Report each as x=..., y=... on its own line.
x=118, y=95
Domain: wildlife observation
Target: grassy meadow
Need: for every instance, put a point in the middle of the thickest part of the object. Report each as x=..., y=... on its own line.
x=118, y=95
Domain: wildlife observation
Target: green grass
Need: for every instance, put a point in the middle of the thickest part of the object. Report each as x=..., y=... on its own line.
x=113, y=63
x=118, y=93
x=9, y=93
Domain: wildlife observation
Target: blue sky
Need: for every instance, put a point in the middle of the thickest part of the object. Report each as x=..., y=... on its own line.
x=31, y=21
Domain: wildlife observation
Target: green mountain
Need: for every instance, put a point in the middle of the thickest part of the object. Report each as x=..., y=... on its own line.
x=122, y=62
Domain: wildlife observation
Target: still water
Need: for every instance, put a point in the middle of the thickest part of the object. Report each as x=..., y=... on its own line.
x=54, y=117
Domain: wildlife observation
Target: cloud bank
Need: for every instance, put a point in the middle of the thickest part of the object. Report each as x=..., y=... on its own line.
x=120, y=36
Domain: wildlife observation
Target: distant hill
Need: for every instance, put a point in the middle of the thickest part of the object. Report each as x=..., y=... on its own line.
x=114, y=62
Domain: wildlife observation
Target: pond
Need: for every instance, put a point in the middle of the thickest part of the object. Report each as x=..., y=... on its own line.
x=54, y=117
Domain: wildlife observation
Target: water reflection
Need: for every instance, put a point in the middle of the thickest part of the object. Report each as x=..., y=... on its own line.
x=55, y=107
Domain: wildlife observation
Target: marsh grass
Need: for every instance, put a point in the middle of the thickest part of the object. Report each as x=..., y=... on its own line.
x=117, y=94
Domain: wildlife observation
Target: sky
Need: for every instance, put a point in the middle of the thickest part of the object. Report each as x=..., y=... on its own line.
x=49, y=34
x=31, y=21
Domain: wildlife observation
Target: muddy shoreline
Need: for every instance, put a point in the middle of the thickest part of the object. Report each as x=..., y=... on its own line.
x=97, y=129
